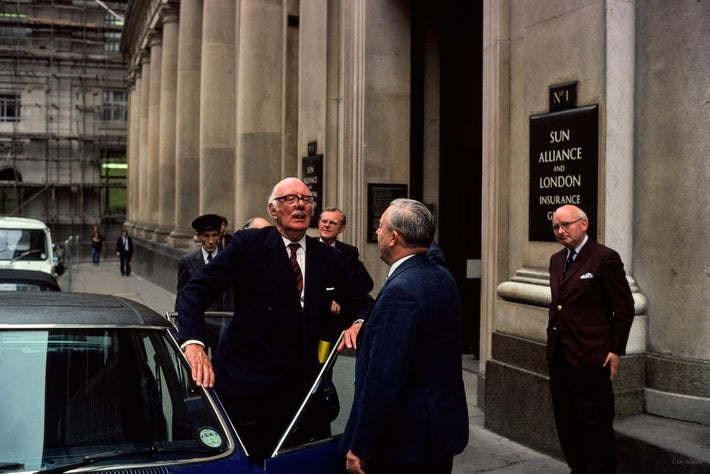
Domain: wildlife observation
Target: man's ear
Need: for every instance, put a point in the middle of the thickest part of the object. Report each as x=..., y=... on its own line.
x=395, y=238
x=342, y=229
x=272, y=211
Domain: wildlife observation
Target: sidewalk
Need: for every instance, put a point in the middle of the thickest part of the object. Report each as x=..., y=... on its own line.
x=486, y=451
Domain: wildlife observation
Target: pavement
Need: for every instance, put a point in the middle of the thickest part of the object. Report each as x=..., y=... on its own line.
x=486, y=451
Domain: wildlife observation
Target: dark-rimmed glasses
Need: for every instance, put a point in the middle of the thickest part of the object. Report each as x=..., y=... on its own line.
x=294, y=198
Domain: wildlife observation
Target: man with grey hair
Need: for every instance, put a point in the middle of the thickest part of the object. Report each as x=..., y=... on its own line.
x=590, y=316
x=409, y=412
x=283, y=283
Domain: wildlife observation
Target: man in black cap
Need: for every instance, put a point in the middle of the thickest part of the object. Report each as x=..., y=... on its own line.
x=208, y=231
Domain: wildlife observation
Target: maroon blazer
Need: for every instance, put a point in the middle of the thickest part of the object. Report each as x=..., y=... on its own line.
x=592, y=308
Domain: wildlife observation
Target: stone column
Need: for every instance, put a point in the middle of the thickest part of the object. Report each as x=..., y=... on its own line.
x=153, y=157
x=168, y=90
x=187, y=122
x=143, y=155
x=217, y=108
x=133, y=150
x=375, y=133
x=260, y=105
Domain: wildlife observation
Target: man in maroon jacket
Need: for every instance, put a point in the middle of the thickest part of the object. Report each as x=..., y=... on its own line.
x=590, y=317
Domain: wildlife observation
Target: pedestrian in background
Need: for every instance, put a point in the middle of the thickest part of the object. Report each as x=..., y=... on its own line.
x=124, y=250
x=97, y=240
x=409, y=413
x=590, y=318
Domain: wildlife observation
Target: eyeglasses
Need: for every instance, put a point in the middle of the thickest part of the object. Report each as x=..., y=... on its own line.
x=563, y=225
x=326, y=221
x=294, y=198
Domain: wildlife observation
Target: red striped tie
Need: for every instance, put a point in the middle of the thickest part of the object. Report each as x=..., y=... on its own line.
x=296, y=268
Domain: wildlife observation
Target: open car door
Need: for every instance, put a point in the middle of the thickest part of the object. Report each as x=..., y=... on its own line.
x=310, y=443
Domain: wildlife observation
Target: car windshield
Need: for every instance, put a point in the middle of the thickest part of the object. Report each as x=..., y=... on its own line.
x=23, y=244
x=75, y=393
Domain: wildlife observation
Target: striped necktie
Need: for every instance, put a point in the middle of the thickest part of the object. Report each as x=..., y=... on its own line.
x=570, y=259
x=296, y=268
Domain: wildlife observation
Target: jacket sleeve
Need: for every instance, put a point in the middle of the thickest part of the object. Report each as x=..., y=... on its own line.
x=621, y=299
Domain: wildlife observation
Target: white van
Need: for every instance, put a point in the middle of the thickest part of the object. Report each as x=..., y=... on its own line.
x=25, y=244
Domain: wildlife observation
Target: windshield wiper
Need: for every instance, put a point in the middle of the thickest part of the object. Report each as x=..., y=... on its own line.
x=86, y=460
x=6, y=466
x=29, y=252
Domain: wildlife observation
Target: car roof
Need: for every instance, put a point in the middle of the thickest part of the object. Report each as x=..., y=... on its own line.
x=77, y=309
x=21, y=223
x=37, y=277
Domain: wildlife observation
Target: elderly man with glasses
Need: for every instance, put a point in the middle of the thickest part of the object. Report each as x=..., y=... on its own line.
x=590, y=317
x=283, y=283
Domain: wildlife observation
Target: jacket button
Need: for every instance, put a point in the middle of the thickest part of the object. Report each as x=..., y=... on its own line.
x=559, y=307
x=554, y=328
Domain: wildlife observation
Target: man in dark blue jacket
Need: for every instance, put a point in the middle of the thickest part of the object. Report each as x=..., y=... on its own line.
x=283, y=283
x=409, y=413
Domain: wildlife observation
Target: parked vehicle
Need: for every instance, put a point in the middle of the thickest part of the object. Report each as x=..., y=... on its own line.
x=27, y=280
x=99, y=382
x=26, y=244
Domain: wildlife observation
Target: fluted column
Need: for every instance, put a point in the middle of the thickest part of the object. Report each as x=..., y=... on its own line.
x=260, y=106
x=217, y=112
x=143, y=156
x=153, y=190
x=168, y=90
x=187, y=121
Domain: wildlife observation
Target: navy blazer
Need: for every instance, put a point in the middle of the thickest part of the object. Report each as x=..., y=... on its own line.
x=410, y=403
x=592, y=307
x=188, y=266
x=352, y=260
x=271, y=341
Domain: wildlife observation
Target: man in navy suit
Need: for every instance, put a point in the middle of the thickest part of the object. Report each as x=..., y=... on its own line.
x=590, y=318
x=409, y=413
x=124, y=250
x=283, y=283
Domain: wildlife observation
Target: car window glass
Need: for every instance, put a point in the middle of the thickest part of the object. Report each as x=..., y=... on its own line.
x=25, y=244
x=326, y=409
x=80, y=392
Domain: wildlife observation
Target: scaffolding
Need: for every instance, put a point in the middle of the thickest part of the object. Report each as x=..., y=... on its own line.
x=64, y=110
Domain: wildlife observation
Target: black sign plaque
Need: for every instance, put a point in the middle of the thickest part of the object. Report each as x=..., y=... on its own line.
x=312, y=173
x=563, y=167
x=379, y=197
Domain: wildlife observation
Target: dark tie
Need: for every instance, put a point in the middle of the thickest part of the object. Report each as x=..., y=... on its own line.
x=570, y=259
x=296, y=268
x=209, y=257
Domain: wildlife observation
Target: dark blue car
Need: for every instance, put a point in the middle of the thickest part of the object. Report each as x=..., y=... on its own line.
x=98, y=383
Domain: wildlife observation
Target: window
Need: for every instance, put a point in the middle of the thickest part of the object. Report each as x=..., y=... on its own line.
x=9, y=108
x=115, y=106
x=112, y=38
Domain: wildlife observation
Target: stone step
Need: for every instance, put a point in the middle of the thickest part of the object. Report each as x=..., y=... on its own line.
x=653, y=445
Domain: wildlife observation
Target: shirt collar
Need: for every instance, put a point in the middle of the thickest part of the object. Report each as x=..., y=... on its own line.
x=205, y=253
x=579, y=247
x=302, y=242
x=398, y=263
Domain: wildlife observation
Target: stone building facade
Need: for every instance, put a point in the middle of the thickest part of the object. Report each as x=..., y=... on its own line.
x=226, y=97
x=63, y=114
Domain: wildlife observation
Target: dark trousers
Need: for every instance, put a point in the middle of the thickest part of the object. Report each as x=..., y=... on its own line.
x=442, y=467
x=125, y=265
x=583, y=403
